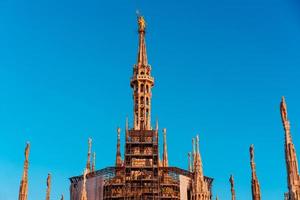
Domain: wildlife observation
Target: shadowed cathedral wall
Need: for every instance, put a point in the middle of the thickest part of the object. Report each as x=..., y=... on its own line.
x=94, y=188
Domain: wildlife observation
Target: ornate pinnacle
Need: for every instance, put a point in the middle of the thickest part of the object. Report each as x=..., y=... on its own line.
x=197, y=144
x=165, y=152
x=118, y=155
x=88, y=163
x=252, y=164
x=194, y=151
x=231, y=180
x=48, y=187
x=254, y=182
x=283, y=110
x=290, y=155
x=198, y=161
x=23, y=191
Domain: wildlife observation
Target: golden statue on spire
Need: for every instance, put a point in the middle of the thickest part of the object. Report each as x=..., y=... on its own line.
x=142, y=23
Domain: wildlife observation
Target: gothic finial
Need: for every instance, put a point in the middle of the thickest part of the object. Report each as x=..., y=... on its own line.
x=48, y=186
x=290, y=155
x=198, y=161
x=194, y=149
x=252, y=163
x=193, y=154
x=251, y=150
x=285, y=121
x=23, y=191
x=197, y=144
x=118, y=155
x=27, y=151
x=283, y=110
x=156, y=124
x=254, y=180
x=165, y=152
x=231, y=180
x=88, y=163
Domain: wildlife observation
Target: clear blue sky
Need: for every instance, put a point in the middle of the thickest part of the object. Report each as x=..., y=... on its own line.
x=220, y=70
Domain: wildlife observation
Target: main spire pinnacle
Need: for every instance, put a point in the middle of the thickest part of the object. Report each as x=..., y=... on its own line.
x=142, y=83
x=142, y=54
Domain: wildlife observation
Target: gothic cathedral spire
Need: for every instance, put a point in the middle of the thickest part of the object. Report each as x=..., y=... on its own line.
x=254, y=180
x=290, y=156
x=23, y=192
x=142, y=83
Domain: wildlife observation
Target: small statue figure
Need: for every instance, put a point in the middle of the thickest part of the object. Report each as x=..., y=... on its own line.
x=251, y=152
x=142, y=23
x=283, y=110
x=48, y=180
x=231, y=180
x=27, y=151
